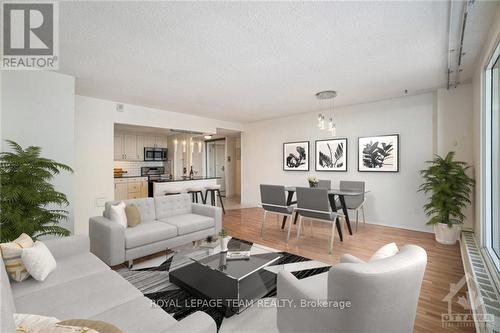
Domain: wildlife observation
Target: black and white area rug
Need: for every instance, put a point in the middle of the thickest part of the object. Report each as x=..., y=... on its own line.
x=151, y=278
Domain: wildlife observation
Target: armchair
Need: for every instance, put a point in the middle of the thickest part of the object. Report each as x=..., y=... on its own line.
x=382, y=295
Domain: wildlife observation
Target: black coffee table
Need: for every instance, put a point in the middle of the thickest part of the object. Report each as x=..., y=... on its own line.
x=231, y=285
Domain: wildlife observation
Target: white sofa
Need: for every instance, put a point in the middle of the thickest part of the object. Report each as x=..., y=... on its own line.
x=166, y=222
x=383, y=295
x=83, y=287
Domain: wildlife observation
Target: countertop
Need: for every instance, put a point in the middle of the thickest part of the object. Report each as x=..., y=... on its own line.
x=130, y=176
x=182, y=179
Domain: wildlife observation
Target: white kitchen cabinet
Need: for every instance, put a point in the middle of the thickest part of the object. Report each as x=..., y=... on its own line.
x=121, y=189
x=161, y=141
x=150, y=141
x=130, y=147
x=118, y=147
x=140, y=148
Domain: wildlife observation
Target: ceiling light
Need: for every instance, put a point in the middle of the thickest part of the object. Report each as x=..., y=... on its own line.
x=207, y=137
x=327, y=94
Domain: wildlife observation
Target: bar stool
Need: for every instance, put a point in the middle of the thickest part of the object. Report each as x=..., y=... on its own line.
x=194, y=191
x=214, y=189
x=172, y=191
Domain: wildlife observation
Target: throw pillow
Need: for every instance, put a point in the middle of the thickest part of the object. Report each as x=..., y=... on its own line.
x=30, y=322
x=64, y=329
x=117, y=214
x=38, y=260
x=385, y=251
x=11, y=254
x=133, y=215
x=100, y=326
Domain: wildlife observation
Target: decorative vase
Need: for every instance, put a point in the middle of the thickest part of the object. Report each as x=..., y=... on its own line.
x=447, y=235
x=313, y=184
x=223, y=244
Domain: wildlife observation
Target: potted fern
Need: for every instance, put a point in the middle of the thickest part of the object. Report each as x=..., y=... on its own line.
x=450, y=188
x=29, y=203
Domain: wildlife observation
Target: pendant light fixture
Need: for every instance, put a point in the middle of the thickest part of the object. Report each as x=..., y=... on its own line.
x=324, y=95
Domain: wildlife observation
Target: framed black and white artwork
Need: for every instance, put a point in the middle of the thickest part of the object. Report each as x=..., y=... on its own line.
x=331, y=155
x=296, y=156
x=378, y=153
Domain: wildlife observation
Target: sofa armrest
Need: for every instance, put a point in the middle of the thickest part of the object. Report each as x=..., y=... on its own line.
x=350, y=259
x=107, y=240
x=198, y=322
x=62, y=247
x=210, y=211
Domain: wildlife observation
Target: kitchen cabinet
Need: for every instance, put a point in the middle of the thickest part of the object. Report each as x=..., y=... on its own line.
x=118, y=147
x=140, y=148
x=130, y=147
x=150, y=141
x=161, y=141
x=131, y=188
x=121, y=189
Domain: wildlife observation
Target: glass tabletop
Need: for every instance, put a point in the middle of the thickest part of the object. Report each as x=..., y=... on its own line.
x=210, y=255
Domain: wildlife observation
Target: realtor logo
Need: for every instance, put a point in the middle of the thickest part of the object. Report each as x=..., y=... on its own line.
x=30, y=36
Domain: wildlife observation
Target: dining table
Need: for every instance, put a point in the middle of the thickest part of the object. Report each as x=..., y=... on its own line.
x=332, y=193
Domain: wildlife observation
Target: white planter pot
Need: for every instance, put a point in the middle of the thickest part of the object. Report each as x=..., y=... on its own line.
x=223, y=244
x=447, y=235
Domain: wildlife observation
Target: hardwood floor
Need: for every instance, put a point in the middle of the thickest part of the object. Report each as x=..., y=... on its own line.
x=444, y=264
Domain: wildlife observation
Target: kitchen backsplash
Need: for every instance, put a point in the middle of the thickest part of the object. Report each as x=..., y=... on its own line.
x=134, y=168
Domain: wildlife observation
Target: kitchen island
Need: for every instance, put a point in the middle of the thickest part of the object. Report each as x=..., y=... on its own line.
x=160, y=186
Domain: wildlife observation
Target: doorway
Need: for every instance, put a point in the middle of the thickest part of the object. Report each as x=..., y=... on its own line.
x=215, y=162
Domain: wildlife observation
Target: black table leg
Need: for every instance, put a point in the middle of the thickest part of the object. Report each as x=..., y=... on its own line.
x=339, y=229
x=288, y=203
x=333, y=206
x=346, y=213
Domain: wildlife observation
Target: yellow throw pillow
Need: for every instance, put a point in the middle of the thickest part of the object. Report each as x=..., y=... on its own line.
x=133, y=215
x=11, y=254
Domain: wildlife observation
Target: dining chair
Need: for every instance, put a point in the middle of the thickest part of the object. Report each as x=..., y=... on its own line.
x=313, y=204
x=273, y=200
x=355, y=202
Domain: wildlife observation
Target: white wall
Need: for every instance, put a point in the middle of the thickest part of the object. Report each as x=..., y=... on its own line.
x=393, y=199
x=38, y=110
x=454, y=130
x=94, y=123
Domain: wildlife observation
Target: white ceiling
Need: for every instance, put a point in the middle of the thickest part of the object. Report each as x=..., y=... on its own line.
x=246, y=61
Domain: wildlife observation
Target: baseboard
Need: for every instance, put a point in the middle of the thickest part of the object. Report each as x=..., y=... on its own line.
x=484, y=296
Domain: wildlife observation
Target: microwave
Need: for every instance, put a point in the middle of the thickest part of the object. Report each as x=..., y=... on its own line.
x=155, y=154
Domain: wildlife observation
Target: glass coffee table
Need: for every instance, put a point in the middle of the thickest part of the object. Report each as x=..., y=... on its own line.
x=231, y=285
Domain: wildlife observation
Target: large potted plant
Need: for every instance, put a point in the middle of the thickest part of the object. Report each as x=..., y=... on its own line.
x=28, y=202
x=450, y=188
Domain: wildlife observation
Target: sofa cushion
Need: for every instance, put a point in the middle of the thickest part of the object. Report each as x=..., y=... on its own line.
x=188, y=223
x=147, y=233
x=68, y=269
x=171, y=205
x=80, y=298
x=146, y=207
x=138, y=315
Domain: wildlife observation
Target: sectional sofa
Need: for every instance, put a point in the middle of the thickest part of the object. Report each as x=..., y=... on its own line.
x=166, y=222
x=83, y=287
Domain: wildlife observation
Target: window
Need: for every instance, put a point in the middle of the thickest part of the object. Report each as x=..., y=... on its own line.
x=492, y=157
